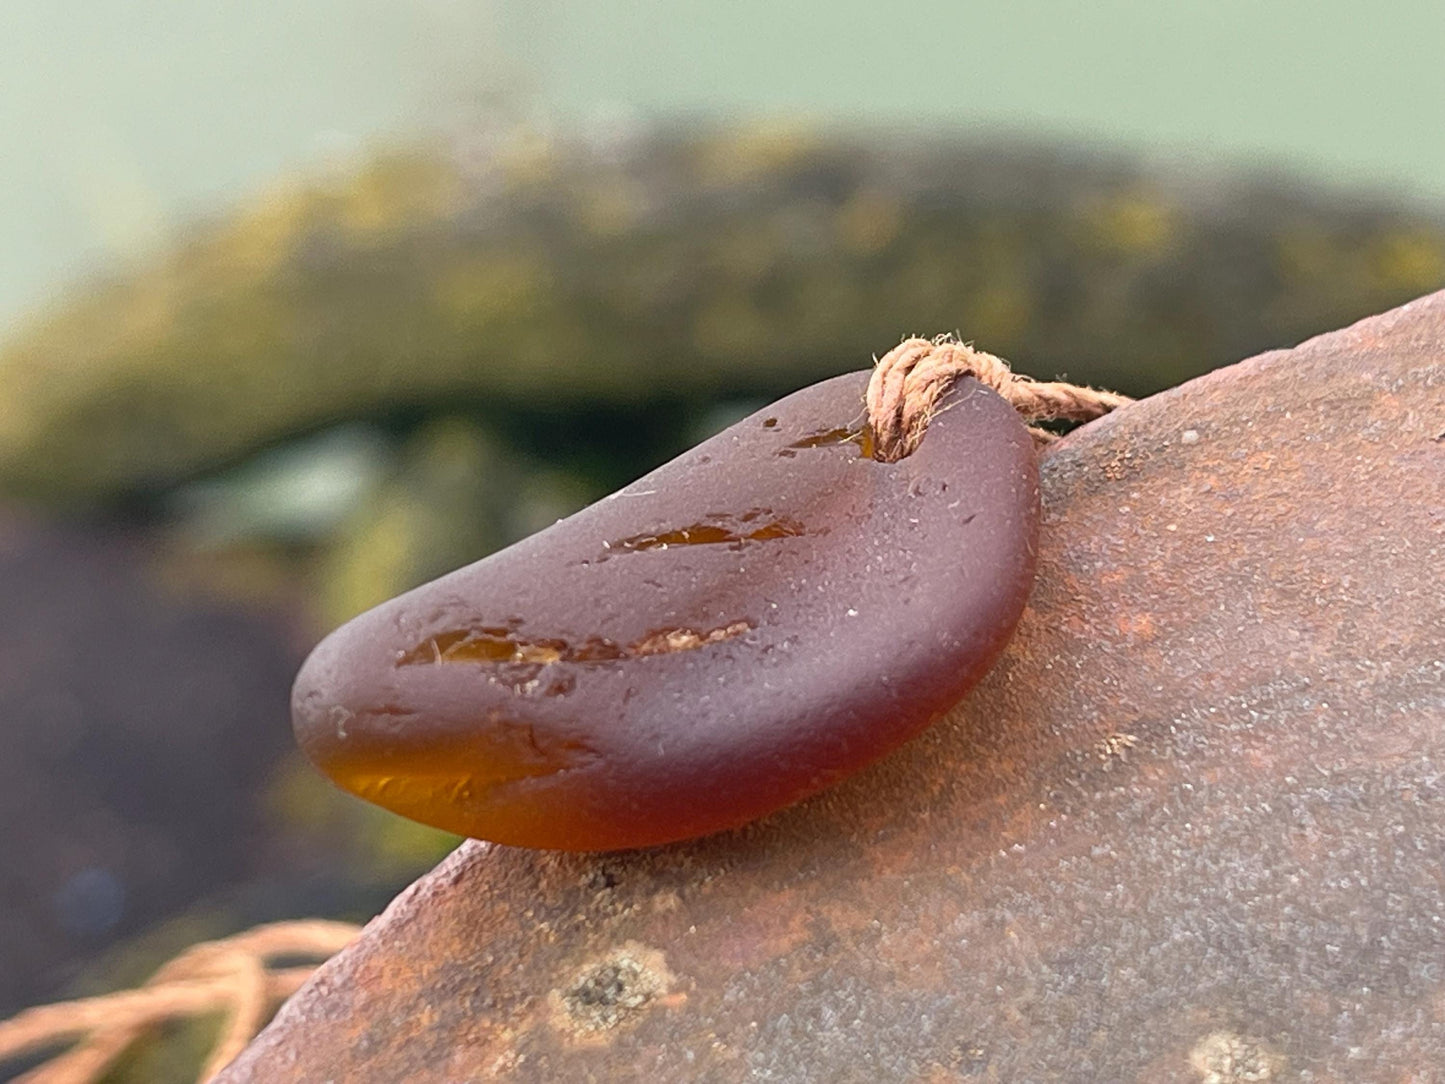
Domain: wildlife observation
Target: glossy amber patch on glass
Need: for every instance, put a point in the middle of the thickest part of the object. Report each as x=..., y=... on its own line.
x=764, y=615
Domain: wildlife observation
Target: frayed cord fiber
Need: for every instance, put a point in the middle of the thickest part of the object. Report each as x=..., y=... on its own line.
x=911, y=380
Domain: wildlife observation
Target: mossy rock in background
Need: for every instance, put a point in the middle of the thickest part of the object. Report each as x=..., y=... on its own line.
x=553, y=281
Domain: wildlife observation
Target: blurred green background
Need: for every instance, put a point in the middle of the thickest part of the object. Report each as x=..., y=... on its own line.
x=303, y=304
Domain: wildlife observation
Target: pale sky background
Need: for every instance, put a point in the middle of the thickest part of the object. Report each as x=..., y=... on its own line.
x=120, y=119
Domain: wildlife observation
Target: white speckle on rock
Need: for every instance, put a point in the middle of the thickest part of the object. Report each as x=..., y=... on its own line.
x=1223, y=1057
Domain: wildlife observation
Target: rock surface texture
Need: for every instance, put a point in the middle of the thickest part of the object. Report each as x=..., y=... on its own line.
x=1191, y=826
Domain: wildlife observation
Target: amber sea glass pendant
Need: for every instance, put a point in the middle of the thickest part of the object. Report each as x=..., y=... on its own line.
x=757, y=619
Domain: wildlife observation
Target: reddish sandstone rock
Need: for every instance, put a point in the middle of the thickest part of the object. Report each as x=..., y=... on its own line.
x=1191, y=824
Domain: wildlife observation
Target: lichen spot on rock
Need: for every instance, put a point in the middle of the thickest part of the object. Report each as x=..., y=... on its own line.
x=1223, y=1057
x=612, y=991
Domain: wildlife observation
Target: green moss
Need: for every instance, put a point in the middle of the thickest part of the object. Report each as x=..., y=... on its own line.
x=729, y=264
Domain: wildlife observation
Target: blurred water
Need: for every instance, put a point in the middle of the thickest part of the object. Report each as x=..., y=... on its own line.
x=120, y=120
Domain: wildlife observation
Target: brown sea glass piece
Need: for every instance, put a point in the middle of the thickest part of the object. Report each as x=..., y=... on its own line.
x=749, y=623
